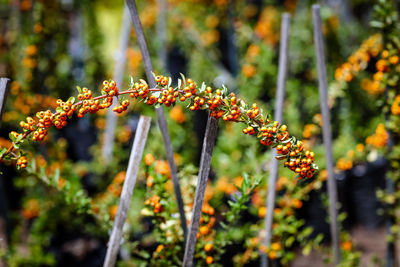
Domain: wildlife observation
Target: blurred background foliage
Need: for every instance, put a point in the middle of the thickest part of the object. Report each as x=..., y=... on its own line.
x=60, y=210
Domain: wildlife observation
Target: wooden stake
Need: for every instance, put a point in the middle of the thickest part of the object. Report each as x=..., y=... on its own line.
x=326, y=130
x=127, y=190
x=280, y=95
x=120, y=60
x=162, y=32
x=205, y=162
x=4, y=88
x=160, y=112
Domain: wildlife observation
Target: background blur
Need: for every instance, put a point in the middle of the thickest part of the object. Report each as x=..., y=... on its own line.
x=59, y=211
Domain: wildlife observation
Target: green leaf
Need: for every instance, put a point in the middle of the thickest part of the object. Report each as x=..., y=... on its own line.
x=2, y=151
x=79, y=90
x=307, y=249
x=132, y=81
x=377, y=24
x=169, y=82
x=71, y=99
x=289, y=241
x=183, y=79
x=12, y=138
x=56, y=176
x=203, y=87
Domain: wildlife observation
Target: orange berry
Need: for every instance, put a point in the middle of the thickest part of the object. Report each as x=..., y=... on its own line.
x=208, y=247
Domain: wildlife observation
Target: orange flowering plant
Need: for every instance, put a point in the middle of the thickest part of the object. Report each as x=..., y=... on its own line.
x=219, y=102
x=215, y=223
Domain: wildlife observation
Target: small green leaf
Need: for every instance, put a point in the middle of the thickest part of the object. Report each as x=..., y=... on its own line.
x=169, y=82
x=203, y=87
x=183, y=79
x=2, y=151
x=12, y=138
x=79, y=90
x=71, y=99
x=307, y=249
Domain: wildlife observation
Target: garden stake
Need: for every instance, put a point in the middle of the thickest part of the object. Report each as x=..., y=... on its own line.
x=120, y=60
x=162, y=32
x=127, y=190
x=4, y=82
x=390, y=189
x=205, y=162
x=280, y=95
x=3, y=233
x=326, y=130
x=160, y=111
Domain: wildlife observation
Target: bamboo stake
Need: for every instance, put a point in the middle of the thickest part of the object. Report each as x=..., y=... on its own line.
x=280, y=95
x=160, y=111
x=326, y=130
x=127, y=190
x=205, y=162
x=111, y=120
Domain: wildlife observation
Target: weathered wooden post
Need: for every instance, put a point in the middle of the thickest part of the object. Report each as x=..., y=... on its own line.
x=160, y=111
x=162, y=32
x=205, y=162
x=4, y=82
x=280, y=96
x=326, y=130
x=120, y=59
x=127, y=190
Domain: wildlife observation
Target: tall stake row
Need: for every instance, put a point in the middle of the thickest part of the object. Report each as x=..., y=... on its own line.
x=327, y=134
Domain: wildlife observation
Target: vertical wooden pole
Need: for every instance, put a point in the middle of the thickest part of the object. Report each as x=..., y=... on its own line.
x=127, y=190
x=3, y=222
x=162, y=123
x=326, y=130
x=111, y=120
x=162, y=32
x=205, y=162
x=3, y=94
x=280, y=96
x=390, y=189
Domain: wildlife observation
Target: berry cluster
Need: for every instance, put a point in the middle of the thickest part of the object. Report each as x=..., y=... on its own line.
x=219, y=102
x=154, y=202
x=22, y=162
